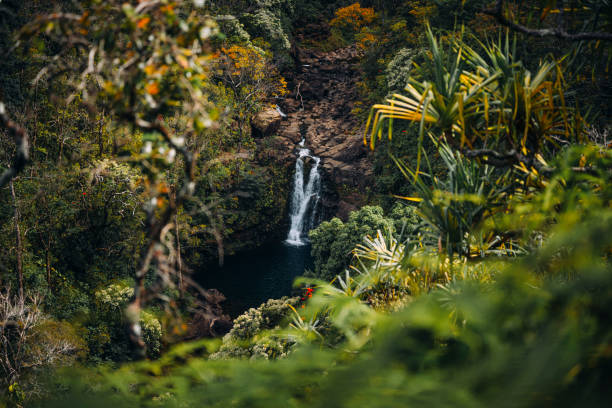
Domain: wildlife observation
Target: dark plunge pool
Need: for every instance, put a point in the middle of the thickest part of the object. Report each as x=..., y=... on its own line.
x=250, y=278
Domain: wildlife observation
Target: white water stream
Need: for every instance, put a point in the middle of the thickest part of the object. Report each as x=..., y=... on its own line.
x=305, y=198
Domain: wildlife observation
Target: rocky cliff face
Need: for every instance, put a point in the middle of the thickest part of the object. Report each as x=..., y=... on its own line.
x=319, y=110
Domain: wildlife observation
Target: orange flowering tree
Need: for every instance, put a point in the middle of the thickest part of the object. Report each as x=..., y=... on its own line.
x=353, y=16
x=365, y=39
x=422, y=11
x=351, y=20
x=250, y=78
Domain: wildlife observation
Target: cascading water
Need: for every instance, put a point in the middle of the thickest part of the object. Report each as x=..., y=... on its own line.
x=249, y=279
x=305, y=198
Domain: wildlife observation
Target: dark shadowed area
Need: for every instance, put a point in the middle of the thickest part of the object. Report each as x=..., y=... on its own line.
x=250, y=278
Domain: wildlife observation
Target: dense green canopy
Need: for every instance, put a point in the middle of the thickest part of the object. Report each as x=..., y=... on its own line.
x=462, y=252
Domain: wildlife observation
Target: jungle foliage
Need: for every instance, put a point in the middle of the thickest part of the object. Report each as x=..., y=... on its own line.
x=101, y=169
x=480, y=275
x=529, y=334
x=333, y=241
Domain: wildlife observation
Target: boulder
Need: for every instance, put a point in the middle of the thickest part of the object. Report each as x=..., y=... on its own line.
x=266, y=122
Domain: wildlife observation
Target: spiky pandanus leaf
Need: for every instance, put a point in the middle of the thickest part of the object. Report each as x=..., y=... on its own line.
x=473, y=99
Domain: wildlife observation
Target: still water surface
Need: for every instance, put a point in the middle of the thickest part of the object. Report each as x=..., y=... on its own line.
x=250, y=278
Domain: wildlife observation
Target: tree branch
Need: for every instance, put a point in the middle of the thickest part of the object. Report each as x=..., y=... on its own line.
x=511, y=158
x=157, y=229
x=22, y=144
x=497, y=159
x=558, y=32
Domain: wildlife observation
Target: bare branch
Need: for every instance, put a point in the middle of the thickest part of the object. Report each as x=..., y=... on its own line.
x=157, y=229
x=497, y=11
x=496, y=158
x=22, y=151
x=511, y=158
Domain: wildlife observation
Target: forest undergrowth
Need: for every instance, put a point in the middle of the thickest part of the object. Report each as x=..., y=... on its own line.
x=477, y=273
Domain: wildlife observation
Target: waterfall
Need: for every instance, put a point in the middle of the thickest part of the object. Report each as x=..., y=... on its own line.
x=305, y=198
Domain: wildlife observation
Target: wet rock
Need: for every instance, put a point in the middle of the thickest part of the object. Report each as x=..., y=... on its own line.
x=291, y=130
x=308, y=163
x=290, y=105
x=208, y=319
x=347, y=150
x=323, y=94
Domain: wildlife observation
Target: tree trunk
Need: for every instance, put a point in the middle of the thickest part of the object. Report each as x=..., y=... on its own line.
x=179, y=261
x=63, y=139
x=19, y=245
x=101, y=135
x=61, y=151
x=48, y=265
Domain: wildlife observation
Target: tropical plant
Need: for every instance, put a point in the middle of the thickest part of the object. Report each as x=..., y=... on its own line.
x=532, y=115
x=333, y=241
x=454, y=205
x=490, y=107
x=389, y=273
x=574, y=200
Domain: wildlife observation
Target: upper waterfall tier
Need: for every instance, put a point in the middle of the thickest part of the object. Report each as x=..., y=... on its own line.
x=305, y=198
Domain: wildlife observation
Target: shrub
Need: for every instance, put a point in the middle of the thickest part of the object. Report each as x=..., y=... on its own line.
x=234, y=31
x=333, y=241
x=244, y=340
x=270, y=22
x=400, y=68
x=114, y=297
x=31, y=344
x=352, y=18
x=107, y=334
x=454, y=205
x=151, y=333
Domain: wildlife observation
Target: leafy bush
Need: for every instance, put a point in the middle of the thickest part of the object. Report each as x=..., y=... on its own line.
x=114, y=297
x=234, y=31
x=107, y=336
x=270, y=20
x=151, y=333
x=333, y=241
x=247, y=338
x=351, y=20
x=400, y=69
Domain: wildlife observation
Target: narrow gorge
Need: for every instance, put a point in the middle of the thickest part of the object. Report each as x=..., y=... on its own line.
x=319, y=110
x=312, y=133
